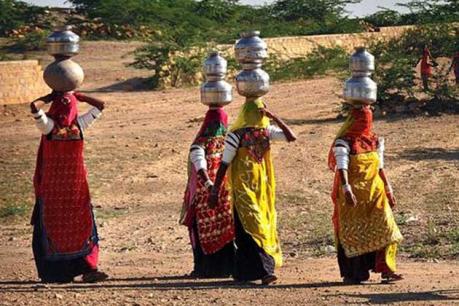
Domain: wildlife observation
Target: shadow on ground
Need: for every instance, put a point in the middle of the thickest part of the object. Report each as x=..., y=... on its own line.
x=159, y=283
x=425, y=296
x=133, y=84
x=431, y=154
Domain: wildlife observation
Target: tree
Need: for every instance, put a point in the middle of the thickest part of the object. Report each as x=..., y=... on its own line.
x=428, y=11
x=14, y=14
x=315, y=10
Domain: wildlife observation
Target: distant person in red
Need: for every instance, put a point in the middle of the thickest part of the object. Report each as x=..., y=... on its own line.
x=455, y=65
x=427, y=62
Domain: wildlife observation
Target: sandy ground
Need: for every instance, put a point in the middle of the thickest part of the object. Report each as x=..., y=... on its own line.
x=136, y=157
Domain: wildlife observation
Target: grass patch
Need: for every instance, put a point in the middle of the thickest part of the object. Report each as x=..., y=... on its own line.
x=304, y=227
x=13, y=210
x=108, y=213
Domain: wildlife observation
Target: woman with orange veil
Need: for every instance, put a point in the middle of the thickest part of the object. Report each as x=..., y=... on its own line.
x=365, y=230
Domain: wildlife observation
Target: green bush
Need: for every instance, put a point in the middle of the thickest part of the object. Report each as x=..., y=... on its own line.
x=174, y=59
x=319, y=62
x=32, y=41
x=396, y=59
x=14, y=14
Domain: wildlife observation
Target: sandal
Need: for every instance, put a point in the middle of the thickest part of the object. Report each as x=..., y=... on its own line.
x=391, y=277
x=351, y=281
x=269, y=279
x=94, y=277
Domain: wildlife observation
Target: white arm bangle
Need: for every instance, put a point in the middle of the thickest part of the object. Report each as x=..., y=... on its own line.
x=208, y=183
x=389, y=189
x=347, y=188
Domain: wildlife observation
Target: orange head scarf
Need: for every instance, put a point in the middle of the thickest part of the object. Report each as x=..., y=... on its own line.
x=357, y=130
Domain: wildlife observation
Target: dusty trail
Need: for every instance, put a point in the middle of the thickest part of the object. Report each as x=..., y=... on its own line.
x=136, y=156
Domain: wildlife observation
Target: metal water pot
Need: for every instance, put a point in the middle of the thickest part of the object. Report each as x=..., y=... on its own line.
x=360, y=90
x=215, y=67
x=216, y=93
x=251, y=48
x=362, y=63
x=63, y=42
x=252, y=83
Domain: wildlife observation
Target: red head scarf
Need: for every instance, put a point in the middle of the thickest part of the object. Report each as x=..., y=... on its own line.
x=64, y=109
x=357, y=130
x=214, y=120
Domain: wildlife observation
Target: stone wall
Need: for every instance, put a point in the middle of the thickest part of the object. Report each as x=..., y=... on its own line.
x=299, y=46
x=21, y=82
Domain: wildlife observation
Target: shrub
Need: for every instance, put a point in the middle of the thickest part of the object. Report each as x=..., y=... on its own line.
x=14, y=14
x=397, y=58
x=174, y=60
x=32, y=41
x=319, y=62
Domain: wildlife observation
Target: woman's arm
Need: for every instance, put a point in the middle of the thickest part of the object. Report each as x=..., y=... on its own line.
x=198, y=159
x=99, y=104
x=348, y=193
x=38, y=103
x=289, y=134
x=341, y=152
x=388, y=188
x=42, y=122
x=213, y=197
x=232, y=141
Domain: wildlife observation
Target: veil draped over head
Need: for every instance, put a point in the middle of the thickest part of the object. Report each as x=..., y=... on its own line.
x=250, y=116
x=358, y=131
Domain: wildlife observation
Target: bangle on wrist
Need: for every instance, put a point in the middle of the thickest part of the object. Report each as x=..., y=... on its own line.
x=347, y=188
x=208, y=183
x=388, y=189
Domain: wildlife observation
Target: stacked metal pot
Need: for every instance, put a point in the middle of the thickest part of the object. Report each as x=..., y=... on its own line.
x=360, y=88
x=251, y=51
x=63, y=74
x=216, y=91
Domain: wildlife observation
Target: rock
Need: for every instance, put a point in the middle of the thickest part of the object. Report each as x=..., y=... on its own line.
x=330, y=249
x=412, y=219
x=58, y=296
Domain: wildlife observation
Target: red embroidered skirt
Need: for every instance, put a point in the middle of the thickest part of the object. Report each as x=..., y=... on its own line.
x=66, y=212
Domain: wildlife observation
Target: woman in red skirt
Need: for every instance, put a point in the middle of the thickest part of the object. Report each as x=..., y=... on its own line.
x=65, y=241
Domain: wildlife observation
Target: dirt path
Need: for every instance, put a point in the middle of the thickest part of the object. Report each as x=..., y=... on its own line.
x=136, y=158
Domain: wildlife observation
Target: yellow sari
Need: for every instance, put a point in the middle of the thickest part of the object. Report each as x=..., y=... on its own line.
x=252, y=186
x=370, y=226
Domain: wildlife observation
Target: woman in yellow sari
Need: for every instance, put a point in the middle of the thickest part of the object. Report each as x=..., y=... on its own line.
x=251, y=179
x=366, y=233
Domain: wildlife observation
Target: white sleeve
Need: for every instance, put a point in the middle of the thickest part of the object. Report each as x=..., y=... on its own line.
x=231, y=146
x=341, y=154
x=380, y=151
x=85, y=120
x=276, y=133
x=198, y=157
x=43, y=122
